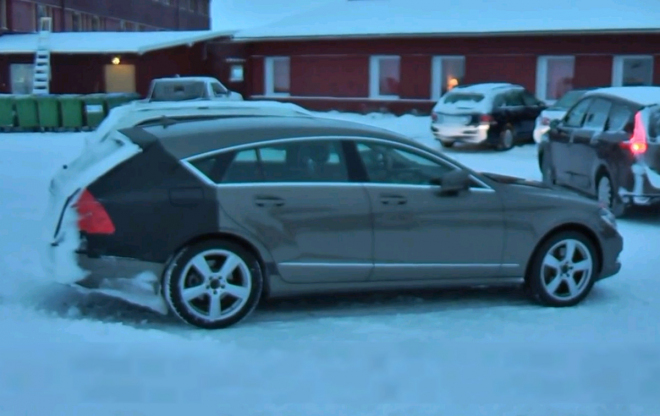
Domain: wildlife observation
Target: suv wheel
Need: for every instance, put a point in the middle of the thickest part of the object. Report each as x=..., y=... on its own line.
x=447, y=144
x=563, y=270
x=506, y=139
x=213, y=284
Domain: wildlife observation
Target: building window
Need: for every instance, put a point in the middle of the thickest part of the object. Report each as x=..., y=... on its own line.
x=21, y=78
x=384, y=76
x=632, y=70
x=204, y=7
x=278, y=78
x=554, y=77
x=192, y=6
x=76, y=22
x=446, y=73
x=96, y=23
x=184, y=4
x=122, y=25
x=236, y=73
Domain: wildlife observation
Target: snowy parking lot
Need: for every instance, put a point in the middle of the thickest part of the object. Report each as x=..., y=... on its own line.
x=470, y=352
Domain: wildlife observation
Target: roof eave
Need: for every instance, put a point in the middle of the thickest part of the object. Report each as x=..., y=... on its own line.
x=238, y=38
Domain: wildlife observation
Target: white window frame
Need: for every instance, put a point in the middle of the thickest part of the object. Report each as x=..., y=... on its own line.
x=617, y=67
x=436, y=73
x=542, y=75
x=80, y=28
x=269, y=76
x=374, y=77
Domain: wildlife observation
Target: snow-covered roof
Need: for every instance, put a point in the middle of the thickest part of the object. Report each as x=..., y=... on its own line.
x=373, y=18
x=640, y=95
x=106, y=42
x=484, y=88
x=245, y=14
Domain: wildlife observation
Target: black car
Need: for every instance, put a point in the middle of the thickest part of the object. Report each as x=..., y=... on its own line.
x=497, y=114
x=607, y=147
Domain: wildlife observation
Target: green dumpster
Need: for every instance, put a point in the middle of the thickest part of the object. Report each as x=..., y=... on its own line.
x=71, y=107
x=26, y=111
x=6, y=111
x=49, y=111
x=117, y=99
x=94, y=109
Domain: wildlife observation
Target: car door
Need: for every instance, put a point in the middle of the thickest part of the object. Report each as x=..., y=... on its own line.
x=584, y=156
x=296, y=198
x=419, y=234
x=561, y=141
x=514, y=108
x=532, y=110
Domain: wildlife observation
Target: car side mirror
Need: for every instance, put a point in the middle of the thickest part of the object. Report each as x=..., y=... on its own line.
x=554, y=124
x=452, y=183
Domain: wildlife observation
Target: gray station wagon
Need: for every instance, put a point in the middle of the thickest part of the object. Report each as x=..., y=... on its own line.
x=217, y=214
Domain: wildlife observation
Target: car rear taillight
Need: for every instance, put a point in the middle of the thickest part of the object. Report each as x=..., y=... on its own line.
x=434, y=116
x=637, y=143
x=92, y=216
x=486, y=119
x=545, y=121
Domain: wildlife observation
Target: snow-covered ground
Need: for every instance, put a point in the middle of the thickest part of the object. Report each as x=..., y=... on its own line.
x=450, y=353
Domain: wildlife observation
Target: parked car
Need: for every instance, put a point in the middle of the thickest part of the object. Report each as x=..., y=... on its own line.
x=607, y=147
x=498, y=114
x=216, y=214
x=189, y=88
x=555, y=112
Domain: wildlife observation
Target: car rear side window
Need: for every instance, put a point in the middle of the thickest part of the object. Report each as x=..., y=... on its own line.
x=297, y=161
x=514, y=99
x=575, y=117
x=597, y=114
x=619, y=116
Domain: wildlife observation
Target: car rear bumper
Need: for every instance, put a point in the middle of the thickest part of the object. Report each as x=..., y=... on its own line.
x=464, y=134
x=645, y=186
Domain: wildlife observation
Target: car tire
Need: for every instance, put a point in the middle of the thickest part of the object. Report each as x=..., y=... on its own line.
x=555, y=278
x=506, y=139
x=447, y=144
x=236, y=289
x=605, y=195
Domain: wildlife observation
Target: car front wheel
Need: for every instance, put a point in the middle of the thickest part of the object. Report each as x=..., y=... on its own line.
x=563, y=270
x=213, y=284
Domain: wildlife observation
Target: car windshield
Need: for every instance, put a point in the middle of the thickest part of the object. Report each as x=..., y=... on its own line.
x=178, y=91
x=568, y=100
x=462, y=97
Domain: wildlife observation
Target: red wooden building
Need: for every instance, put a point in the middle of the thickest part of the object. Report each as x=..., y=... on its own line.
x=365, y=55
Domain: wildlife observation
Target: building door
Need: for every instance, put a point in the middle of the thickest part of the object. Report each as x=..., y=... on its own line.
x=120, y=78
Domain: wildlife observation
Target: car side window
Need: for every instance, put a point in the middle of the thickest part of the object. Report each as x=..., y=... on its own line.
x=529, y=99
x=597, y=114
x=514, y=99
x=219, y=90
x=576, y=115
x=395, y=165
x=620, y=115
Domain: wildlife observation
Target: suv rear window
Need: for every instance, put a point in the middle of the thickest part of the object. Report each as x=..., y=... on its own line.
x=457, y=97
x=178, y=91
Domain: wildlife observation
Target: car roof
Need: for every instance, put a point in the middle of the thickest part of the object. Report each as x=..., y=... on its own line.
x=642, y=95
x=179, y=79
x=486, y=88
x=191, y=138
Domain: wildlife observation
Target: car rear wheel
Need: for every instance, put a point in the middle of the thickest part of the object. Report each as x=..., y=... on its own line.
x=213, y=284
x=447, y=144
x=606, y=197
x=563, y=270
x=506, y=139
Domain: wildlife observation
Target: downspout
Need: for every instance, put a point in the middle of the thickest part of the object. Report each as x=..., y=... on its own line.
x=62, y=16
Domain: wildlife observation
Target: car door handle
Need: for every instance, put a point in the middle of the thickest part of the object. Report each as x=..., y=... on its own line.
x=268, y=201
x=393, y=200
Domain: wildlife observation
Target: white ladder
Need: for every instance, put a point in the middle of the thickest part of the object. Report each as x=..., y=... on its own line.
x=41, y=76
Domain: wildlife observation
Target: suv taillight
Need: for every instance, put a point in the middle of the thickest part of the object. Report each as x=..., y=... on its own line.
x=92, y=216
x=486, y=119
x=637, y=142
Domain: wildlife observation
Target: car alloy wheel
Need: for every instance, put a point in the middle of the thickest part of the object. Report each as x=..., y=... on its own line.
x=213, y=284
x=564, y=270
x=506, y=140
